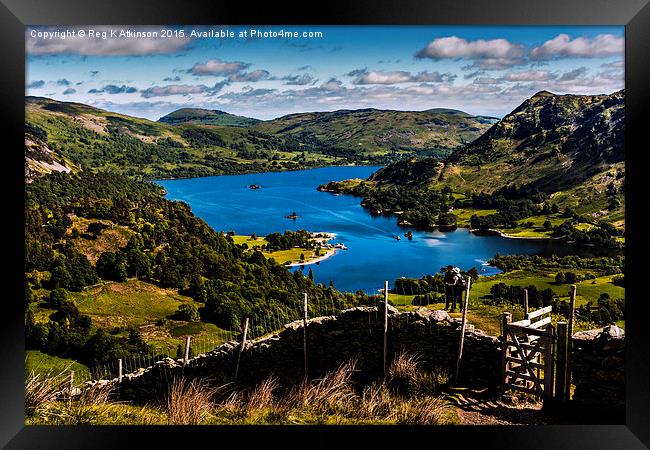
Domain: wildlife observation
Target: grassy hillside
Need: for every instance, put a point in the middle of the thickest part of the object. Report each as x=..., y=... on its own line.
x=381, y=132
x=78, y=136
x=63, y=136
x=564, y=151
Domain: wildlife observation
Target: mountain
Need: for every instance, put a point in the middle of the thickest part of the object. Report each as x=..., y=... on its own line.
x=194, y=142
x=206, y=117
x=570, y=147
x=435, y=131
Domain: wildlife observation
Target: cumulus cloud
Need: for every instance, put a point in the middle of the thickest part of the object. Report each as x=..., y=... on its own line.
x=247, y=92
x=114, y=46
x=298, y=80
x=363, y=76
x=218, y=67
x=181, y=89
x=573, y=74
x=530, y=75
x=486, y=54
x=563, y=46
x=69, y=91
x=176, y=78
x=114, y=89
x=36, y=84
x=251, y=77
x=63, y=82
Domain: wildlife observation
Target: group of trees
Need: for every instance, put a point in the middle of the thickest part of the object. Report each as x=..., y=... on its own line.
x=600, y=265
x=70, y=334
x=290, y=239
x=503, y=293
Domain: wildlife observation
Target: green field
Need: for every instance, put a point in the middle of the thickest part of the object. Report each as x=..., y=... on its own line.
x=488, y=317
x=291, y=255
x=118, y=306
x=48, y=365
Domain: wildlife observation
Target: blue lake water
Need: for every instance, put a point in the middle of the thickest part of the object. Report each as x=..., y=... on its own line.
x=227, y=204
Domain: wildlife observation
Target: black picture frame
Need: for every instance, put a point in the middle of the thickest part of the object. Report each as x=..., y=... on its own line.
x=633, y=14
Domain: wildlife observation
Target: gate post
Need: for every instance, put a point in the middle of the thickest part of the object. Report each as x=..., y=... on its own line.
x=561, y=366
x=549, y=367
x=506, y=319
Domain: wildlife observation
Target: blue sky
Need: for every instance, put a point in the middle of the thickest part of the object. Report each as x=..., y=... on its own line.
x=481, y=70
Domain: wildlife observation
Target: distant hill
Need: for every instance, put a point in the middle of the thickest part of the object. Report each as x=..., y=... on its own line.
x=375, y=131
x=195, y=142
x=206, y=117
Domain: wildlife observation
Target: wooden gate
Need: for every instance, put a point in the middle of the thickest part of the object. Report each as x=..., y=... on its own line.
x=528, y=353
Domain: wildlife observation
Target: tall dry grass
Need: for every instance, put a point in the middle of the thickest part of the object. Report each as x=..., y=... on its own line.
x=191, y=402
x=40, y=392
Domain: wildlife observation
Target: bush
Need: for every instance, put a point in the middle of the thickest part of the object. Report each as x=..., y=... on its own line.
x=188, y=312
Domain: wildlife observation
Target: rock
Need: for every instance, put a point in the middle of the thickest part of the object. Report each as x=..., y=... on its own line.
x=440, y=315
x=612, y=332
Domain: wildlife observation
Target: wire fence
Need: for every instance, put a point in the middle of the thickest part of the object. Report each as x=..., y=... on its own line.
x=405, y=292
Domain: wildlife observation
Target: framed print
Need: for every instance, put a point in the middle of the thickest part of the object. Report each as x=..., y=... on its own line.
x=367, y=219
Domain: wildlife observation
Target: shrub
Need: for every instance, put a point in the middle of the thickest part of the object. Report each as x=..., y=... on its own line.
x=188, y=312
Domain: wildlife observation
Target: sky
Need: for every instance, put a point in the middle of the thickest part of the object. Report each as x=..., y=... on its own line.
x=265, y=72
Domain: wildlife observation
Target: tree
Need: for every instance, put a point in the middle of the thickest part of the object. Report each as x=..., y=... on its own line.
x=548, y=225
x=559, y=278
x=57, y=297
x=138, y=264
x=570, y=277
x=112, y=266
x=188, y=312
x=60, y=276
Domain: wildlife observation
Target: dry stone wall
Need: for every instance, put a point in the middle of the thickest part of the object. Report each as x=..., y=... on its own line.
x=598, y=360
x=332, y=340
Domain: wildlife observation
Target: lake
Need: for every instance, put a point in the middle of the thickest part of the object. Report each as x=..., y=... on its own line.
x=227, y=203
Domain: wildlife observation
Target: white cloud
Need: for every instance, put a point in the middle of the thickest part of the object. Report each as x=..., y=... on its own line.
x=530, y=75
x=364, y=76
x=218, y=67
x=486, y=54
x=298, y=80
x=563, y=46
x=573, y=74
x=176, y=89
x=253, y=76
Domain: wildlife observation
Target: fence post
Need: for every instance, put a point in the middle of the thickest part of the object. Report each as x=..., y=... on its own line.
x=572, y=314
x=525, y=303
x=71, y=387
x=462, y=328
x=243, y=344
x=505, y=320
x=549, y=367
x=186, y=353
x=385, y=326
x=304, y=334
x=561, y=368
x=119, y=370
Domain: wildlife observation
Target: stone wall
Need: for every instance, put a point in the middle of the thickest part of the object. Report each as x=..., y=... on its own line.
x=598, y=360
x=355, y=333
x=597, y=355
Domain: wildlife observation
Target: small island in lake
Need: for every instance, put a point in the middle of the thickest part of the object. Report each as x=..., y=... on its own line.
x=292, y=216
